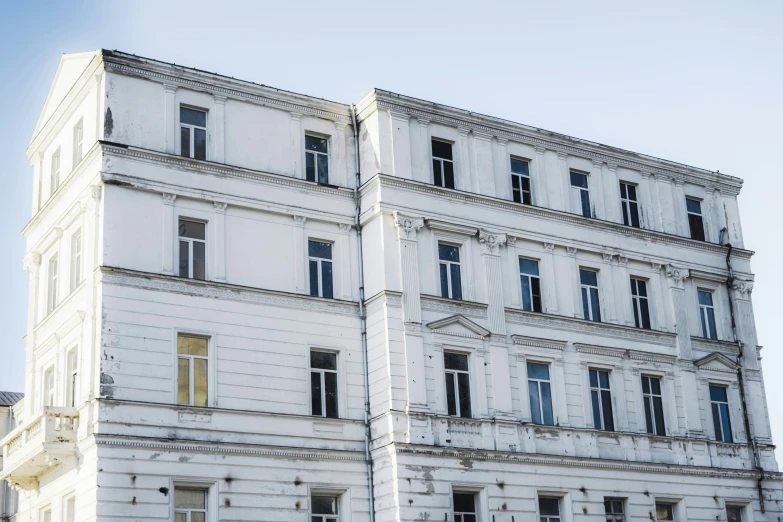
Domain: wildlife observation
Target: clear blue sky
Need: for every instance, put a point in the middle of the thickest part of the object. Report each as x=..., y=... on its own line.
x=695, y=82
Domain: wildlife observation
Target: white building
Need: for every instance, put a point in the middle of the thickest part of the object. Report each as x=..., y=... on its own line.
x=549, y=321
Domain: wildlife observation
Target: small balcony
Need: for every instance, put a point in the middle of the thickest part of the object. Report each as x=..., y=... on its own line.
x=45, y=442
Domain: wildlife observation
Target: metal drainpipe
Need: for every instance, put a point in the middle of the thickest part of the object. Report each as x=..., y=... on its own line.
x=362, y=316
x=741, y=379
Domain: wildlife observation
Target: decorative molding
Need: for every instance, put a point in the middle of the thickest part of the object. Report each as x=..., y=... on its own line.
x=168, y=199
x=220, y=206
x=412, y=328
x=571, y=251
x=537, y=342
x=637, y=355
x=656, y=267
x=407, y=227
x=433, y=303
x=225, y=449
x=708, y=345
x=742, y=289
x=213, y=290
x=643, y=235
x=716, y=362
x=477, y=329
x=344, y=227
x=708, y=276
x=381, y=299
x=622, y=260
x=600, y=350
x=606, y=257
x=299, y=221
x=434, y=224
x=491, y=242
x=549, y=247
x=677, y=276
x=32, y=262
x=569, y=324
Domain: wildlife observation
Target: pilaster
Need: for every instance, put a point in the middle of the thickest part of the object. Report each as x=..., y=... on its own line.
x=170, y=111
x=483, y=164
x=401, y=144
x=501, y=167
x=300, y=255
x=540, y=188
x=463, y=174
x=32, y=265
x=599, y=194
x=549, y=278
x=606, y=278
x=622, y=292
x=680, y=214
x=220, y=129
x=219, y=250
x=667, y=203
x=346, y=261
x=564, y=178
x=423, y=151
x=676, y=277
x=659, y=285
x=297, y=150
x=575, y=286
x=169, y=228
x=339, y=154
x=612, y=194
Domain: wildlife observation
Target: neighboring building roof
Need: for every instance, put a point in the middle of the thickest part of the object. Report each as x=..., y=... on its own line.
x=10, y=398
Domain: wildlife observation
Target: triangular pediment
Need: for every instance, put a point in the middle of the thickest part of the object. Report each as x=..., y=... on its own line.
x=716, y=362
x=458, y=325
x=68, y=72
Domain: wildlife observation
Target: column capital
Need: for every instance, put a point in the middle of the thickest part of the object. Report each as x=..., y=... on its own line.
x=656, y=267
x=540, y=150
x=400, y=116
x=220, y=206
x=220, y=98
x=407, y=226
x=741, y=289
x=340, y=125
x=611, y=166
x=168, y=199
x=678, y=182
x=502, y=140
x=511, y=241
x=484, y=136
x=299, y=221
x=645, y=174
x=344, y=228
x=491, y=242
x=677, y=276
x=423, y=122
x=32, y=261
x=622, y=260
x=549, y=247
x=170, y=89
x=571, y=251
x=606, y=257
x=296, y=116
x=561, y=155
x=463, y=131
x=597, y=162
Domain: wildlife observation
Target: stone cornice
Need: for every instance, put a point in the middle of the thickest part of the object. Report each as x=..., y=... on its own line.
x=572, y=462
x=385, y=297
x=537, y=342
x=571, y=324
x=710, y=345
x=546, y=213
x=638, y=355
x=176, y=75
x=226, y=448
x=433, y=303
x=214, y=290
x=436, y=224
x=450, y=116
x=605, y=351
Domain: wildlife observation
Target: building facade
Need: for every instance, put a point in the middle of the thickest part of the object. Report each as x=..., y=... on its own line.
x=250, y=304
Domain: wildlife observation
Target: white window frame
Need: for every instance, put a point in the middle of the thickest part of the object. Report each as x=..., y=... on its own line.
x=727, y=387
x=563, y=503
x=322, y=372
x=191, y=368
x=78, y=142
x=53, y=278
x=319, y=261
x=42, y=514
x=316, y=154
x=54, y=174
x=210, y=493
x=616, y=517
x=192, y=129
x=576, y=194
x=592, y=306
x=77, y=255
x=626, y=202
x=528, y=379
x=703, y=311
x=746, y=510
x=599, y=389
x=454, y=375
x=48, y=392
x=71, y=497
x=479, y=496
x=700, y=214
x=517, y=174
x=433, y=157
x=678, y=507
x=72, y=384
x=649, y=396
x=343, y=496
x=190, y=242
x=638, y=299
x=531, y=277
x=448, y=270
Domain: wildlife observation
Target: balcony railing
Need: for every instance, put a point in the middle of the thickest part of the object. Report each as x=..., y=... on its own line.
x=44, y=442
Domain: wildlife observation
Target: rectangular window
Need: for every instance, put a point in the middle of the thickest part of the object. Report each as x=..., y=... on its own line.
x=78, y=143
x=719, y=398
x=653, y=405
x=320, y=262
x=707, y=315
x=601, y=397
x=190, y=504
x=591, y=306
x=580, y=195
x=192, y=374
x=664, y=511
x=733, y=514
x=193, y=133
x=316, y=159
x=614, y=510
x=641, y=308
x=324, y=508
x=70, y=509
x=323, y=384
x=520, y=181
x=73, y=378
x=46, y=515
x=48, y=387
x=630, y=204
x=76, y=259
x=442, y=164
x=457, y=384
x=54, y=178
x=51, y=298
x=540, y=391
x=531, y=285
x=549, y=509
x=695, y=219
x=192, y=249
x=464, y=507
x=450, y=278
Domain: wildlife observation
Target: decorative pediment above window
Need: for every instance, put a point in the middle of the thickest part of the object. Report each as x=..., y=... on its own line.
x=459, y=326
x=717, y=362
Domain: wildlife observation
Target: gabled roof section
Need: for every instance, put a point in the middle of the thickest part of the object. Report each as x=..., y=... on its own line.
x=716, y=362
x=10, y=398
x=465, y=327
x=68, y=72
